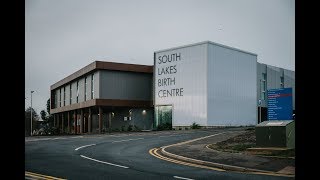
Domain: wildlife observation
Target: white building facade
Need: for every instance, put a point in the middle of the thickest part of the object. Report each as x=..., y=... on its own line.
x=206, y=83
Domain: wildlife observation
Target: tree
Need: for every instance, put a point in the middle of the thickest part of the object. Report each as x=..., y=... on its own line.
x=48, y=106
x=49, y=117
x=27, y=123
x=43, y=115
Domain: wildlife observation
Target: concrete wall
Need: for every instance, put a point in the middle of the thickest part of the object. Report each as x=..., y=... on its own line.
x=125, y=85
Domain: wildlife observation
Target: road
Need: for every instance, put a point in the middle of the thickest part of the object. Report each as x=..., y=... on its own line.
x=117, y=156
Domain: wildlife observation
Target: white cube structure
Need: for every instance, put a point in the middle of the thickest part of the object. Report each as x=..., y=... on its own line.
x=206, y=83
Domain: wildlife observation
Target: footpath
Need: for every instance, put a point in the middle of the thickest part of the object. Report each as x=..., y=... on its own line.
x=197, y=152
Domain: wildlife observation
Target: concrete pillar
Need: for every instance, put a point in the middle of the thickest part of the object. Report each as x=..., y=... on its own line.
x=69, y=129
x=62, y=123
x=75, y=121
x=58, y=118
x=81, y=121
x=110, y=117
x=89, y=121
x=84, y=122
x=100, y=120
x=54, y=120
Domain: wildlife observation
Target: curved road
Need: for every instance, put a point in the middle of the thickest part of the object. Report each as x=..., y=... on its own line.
x=117, y=156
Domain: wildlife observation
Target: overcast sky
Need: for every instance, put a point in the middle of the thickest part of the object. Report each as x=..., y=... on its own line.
x=62, y=36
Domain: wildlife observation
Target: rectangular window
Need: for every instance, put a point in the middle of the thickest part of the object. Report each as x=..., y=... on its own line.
x=92, y=86
x=85, y=88
x=64, y=96
x=263, y=86
x=70, y=93
x=55, y=99
x=60, y=98
x=281, y=82
x=77, y=91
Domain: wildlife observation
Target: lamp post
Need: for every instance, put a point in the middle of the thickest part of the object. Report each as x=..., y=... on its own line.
x=31, y=112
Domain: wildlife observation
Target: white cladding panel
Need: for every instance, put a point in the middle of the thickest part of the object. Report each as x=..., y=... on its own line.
x=185, y=78
x=232, y=87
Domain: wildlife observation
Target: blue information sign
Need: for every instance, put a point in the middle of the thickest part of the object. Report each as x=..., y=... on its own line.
x=280, y=104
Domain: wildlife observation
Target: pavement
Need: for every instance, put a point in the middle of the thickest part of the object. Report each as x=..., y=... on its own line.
x=197, y=152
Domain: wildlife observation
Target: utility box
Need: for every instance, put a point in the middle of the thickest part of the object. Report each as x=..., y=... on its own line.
x=276, y=134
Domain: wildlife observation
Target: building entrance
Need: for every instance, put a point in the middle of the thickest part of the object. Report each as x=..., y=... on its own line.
x=163, y=117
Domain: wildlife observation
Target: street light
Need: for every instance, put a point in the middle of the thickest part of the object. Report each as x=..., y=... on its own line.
x=31, y=112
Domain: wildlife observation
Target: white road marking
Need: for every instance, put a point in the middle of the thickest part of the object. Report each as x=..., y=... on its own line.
x=104, y=162
x=58, y=138
x=43, y=139
x=177, y=177
x=127, y=140
x=77, y=137
x=84, y=146
x=172, y=135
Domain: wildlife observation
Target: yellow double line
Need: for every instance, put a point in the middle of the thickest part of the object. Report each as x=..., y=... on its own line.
x=154, y=153
x=31, y=175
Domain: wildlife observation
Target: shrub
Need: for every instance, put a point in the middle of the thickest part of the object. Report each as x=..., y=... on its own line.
x=130, y=128
x=194, y=125
x=165, y=126
x=116, y=130
x=136, y=128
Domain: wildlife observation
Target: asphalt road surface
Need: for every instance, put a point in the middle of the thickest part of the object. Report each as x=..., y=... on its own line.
x=118, y=156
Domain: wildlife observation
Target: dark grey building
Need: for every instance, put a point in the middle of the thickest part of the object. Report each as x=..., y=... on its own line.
x=103, y=96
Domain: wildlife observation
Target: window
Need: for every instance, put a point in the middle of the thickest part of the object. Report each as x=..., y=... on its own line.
x=77, y=91
x=60, y=98
x=55, y=99
x=85, y=88
x=282, y=82
x=64, y=96
x=70, y=93
x=263, y=86
x=92, y=86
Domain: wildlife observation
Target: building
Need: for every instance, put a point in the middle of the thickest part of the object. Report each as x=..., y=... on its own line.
x=206, y=83
x=103, y=96
x=271, y=77
x=213, y=85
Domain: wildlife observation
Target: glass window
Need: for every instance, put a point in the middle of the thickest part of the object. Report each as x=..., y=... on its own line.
x=70, y=93
x=85, y=88
x=281, y=82
x=92, y=86
x=264, y=76
x=263, y=86
x=55, y=99
x=77, y=91
x=59, y=97
x=64, y=96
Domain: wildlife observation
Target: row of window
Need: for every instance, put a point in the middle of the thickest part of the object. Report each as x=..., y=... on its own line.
x=263, y=85
x=77, y=100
